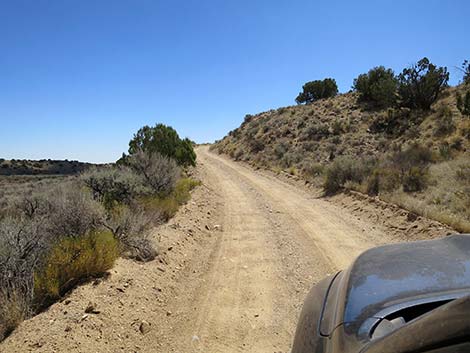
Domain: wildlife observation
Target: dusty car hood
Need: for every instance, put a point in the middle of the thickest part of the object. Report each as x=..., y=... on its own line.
x=389, y=275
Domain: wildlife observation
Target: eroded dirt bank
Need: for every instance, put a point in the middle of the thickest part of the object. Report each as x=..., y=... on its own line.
x=236, y=264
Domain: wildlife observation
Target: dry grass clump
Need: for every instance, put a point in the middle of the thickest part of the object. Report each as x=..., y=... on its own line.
x=72, y=260
x=167, y=206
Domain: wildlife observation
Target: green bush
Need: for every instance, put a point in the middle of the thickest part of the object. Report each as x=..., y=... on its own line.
x=72, y=260
x=378, y=87
x=463, y=103
x=466, y=72
x=165, y=141
x=319, y=89
x=419, y=86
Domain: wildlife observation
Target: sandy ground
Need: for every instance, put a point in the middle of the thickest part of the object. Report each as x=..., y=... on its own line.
x=235, y=266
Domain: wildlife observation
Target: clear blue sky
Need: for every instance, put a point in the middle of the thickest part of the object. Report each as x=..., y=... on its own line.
x=78, y=78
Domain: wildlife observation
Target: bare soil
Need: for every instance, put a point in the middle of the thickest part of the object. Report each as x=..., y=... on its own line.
x=235, y=265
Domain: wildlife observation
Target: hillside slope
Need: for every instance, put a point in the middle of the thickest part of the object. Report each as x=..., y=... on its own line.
x=306, y=140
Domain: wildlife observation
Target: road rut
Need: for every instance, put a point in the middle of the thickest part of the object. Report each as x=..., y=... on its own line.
x=277, y=241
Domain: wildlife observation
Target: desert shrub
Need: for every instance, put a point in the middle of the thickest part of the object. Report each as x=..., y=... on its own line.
x=413, y=156
x=238, y=154
x=463, y=103
x=313, y=170
x=290, y=158
x=466, y=72
x=315, y=132
x=111, y=185
x=377, y=87
x=22, y=244
x=183, y=188
x=13, y=310
x=128, y=221
x=419, y=86
x=167, y=206
x=162, y=140
x=248, y=118
x=72, y=260
x=280, y=149
x=456, y=143
x=337, y=127
x=444, y=121
x=140, y=248
x=382, y=179
x=130, y=225
x=256, y=145
x=445, y=152
x=392, y=122
x=463, y=173
x=415, y=179
x=345, y=169
x=73, y=212
x=159, y=173
x=319, y=89
x=411, y=164
x=30, y=204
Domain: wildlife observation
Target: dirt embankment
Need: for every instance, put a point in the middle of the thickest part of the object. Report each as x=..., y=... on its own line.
x=236, y=264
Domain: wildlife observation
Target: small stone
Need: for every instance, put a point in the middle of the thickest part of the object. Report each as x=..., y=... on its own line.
x=91, y=308
x=67, y=328
x=411, y=217
x=168, y=313
x=144, y=327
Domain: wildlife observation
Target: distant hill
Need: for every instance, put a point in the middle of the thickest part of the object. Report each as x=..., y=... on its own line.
x=41, y=167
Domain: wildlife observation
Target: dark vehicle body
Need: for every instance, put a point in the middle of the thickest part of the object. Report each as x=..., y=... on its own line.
x=408, y=297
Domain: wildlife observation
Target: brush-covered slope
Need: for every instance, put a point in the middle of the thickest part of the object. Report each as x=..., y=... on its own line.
x=419, y=160
x=303, y=136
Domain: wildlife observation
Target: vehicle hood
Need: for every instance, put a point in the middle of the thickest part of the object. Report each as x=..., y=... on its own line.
x=388, y=275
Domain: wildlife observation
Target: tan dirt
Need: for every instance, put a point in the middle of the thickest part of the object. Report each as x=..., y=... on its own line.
x=235, y=266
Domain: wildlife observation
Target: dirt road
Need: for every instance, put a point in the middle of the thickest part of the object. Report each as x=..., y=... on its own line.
x=277, y=241
x=233, y=270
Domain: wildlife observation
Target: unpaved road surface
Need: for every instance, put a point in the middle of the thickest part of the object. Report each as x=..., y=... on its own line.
x=277, y=241
x=234, y=267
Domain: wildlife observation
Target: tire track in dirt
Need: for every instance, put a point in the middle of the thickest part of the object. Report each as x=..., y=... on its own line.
x=276, y=242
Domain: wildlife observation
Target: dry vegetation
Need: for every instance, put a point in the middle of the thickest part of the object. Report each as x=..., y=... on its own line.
x=417, y=159
x=57, y=232
x=41, y=167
